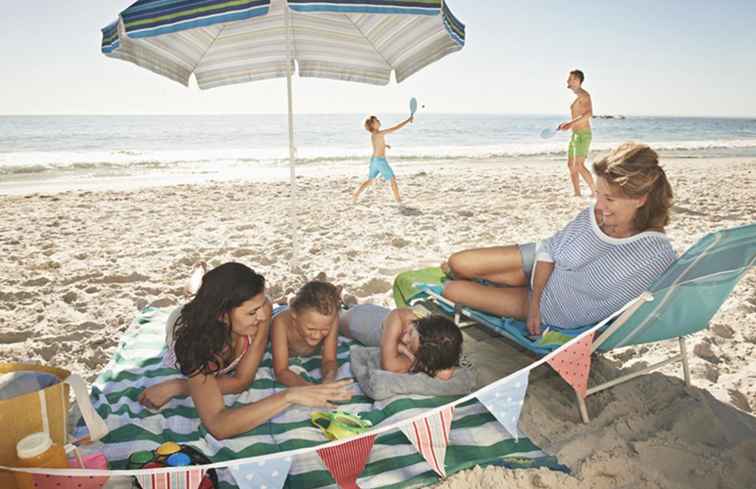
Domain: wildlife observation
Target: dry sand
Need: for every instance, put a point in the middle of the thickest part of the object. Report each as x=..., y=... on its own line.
x=76, y=266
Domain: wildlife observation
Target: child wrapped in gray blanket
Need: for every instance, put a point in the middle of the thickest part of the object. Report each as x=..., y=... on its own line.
x=408, y=344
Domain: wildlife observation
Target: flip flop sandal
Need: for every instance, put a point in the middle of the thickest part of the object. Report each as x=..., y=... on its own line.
x=339, y=425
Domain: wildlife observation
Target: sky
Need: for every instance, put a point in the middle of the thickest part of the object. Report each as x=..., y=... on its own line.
x=660, y=57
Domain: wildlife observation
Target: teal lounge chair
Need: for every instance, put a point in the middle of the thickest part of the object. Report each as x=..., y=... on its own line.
x=682, y=301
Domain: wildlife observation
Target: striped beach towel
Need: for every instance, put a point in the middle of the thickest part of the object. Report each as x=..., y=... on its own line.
x=476, y=438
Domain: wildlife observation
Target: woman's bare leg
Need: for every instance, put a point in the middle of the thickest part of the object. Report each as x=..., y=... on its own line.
x=499, y=264
x=510, y=301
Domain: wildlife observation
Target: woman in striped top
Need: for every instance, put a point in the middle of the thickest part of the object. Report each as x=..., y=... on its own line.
x=609, y=254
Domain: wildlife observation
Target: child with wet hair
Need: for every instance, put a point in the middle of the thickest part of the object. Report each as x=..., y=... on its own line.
x=309, y=325
x=409, y=344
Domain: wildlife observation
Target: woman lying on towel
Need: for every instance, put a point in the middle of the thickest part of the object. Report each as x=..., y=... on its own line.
x=431, y=345
x=608, y=255
x=217, y=341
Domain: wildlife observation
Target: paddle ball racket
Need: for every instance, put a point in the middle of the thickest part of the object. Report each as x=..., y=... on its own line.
x=549, y=132
x=413, y=106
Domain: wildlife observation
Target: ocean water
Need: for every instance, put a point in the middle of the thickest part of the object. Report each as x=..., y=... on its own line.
x=35, y=149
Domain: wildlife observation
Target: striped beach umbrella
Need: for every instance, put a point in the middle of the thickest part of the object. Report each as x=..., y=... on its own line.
x=224, y=42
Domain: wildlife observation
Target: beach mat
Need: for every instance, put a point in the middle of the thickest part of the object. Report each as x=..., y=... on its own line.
x=476, y=437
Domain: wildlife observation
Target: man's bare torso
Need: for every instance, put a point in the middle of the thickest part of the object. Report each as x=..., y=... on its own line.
x=581, y=104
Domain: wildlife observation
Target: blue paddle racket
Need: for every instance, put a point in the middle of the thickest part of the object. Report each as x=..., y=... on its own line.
x=413, y=106
x=549, y=132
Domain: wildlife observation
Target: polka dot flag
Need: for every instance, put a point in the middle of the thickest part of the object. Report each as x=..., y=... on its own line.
x=574, y=364
x=44, y=481
x=265, y=474
x=505, y=401
x=346, y=462
x=430, y=436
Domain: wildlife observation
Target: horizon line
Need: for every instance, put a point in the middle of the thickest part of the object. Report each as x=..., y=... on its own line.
x=532, y=114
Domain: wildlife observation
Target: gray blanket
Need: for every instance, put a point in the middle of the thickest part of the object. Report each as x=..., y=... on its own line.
x=381, y=384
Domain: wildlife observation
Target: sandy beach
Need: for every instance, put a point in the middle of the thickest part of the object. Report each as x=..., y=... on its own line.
x=77, y=266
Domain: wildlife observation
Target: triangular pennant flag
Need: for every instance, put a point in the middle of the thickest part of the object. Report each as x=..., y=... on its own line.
x=265, y=474
x=347, y=461
x=430, y=436
x=186, y=479
x=574, y=364
x=505, y=401
x=45, y=481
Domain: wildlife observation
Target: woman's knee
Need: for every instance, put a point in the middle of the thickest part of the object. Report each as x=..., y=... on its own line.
x=454, y=289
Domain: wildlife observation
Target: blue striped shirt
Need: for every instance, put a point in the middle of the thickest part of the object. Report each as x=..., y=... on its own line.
x=595, y=274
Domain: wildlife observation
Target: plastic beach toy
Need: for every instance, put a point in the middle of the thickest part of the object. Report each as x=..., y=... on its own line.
x=340, y=425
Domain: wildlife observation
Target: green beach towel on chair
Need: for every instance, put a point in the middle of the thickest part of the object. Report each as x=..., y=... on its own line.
x=476, y=438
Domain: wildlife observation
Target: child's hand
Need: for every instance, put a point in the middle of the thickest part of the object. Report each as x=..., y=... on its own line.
x=155, y=396
x=320, y=395
x=411, y=119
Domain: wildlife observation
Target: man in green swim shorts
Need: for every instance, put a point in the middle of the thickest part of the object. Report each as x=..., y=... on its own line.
x=580, y=143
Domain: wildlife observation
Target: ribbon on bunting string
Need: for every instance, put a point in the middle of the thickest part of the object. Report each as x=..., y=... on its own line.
x=265, y=474
x=187, y=479
x=505, y=401
x=574, y=364
x=346, y=462
x=430, y=437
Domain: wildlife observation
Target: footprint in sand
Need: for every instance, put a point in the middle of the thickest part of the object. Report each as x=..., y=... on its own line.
x=373, y=286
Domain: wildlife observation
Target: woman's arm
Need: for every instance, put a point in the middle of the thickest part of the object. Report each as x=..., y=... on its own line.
x=330, y=366
x=280, y=346
x=223, y=422
x=392, y=358
x=541, y=273
x=398, y=126
x=155, y=396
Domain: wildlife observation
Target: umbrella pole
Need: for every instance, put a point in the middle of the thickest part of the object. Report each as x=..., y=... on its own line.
x=294, y=262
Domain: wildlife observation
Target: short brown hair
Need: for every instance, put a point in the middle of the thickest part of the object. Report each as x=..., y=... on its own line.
x=634, y=169
x=369, y=120
x=322, y=297
x=577, y=74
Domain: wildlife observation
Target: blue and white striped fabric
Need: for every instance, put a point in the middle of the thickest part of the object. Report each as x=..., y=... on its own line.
x=594, y=274
x=224, y=42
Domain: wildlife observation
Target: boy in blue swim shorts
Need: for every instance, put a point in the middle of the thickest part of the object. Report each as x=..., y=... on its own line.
x=378, y=163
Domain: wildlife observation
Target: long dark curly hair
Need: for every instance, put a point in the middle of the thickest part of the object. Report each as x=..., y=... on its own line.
x=440, y=345
x=200, y=334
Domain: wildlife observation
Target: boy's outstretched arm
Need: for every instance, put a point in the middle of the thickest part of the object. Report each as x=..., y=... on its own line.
x=280, y=347
x=398, y=126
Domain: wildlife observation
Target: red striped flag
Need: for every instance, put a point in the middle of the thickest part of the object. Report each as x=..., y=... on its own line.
x=347, y=461
x=430, y=436
x=574, y=364
x=188, y=479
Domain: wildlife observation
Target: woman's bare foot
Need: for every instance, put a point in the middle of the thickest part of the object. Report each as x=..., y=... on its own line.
x=199, y=269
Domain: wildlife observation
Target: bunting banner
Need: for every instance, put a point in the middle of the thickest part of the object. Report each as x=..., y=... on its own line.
x=574, y=364
x=46, y=481
x=188, y=479
x=346, y=462
x=505, y=401
x=265, y=474
x=430, y=436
